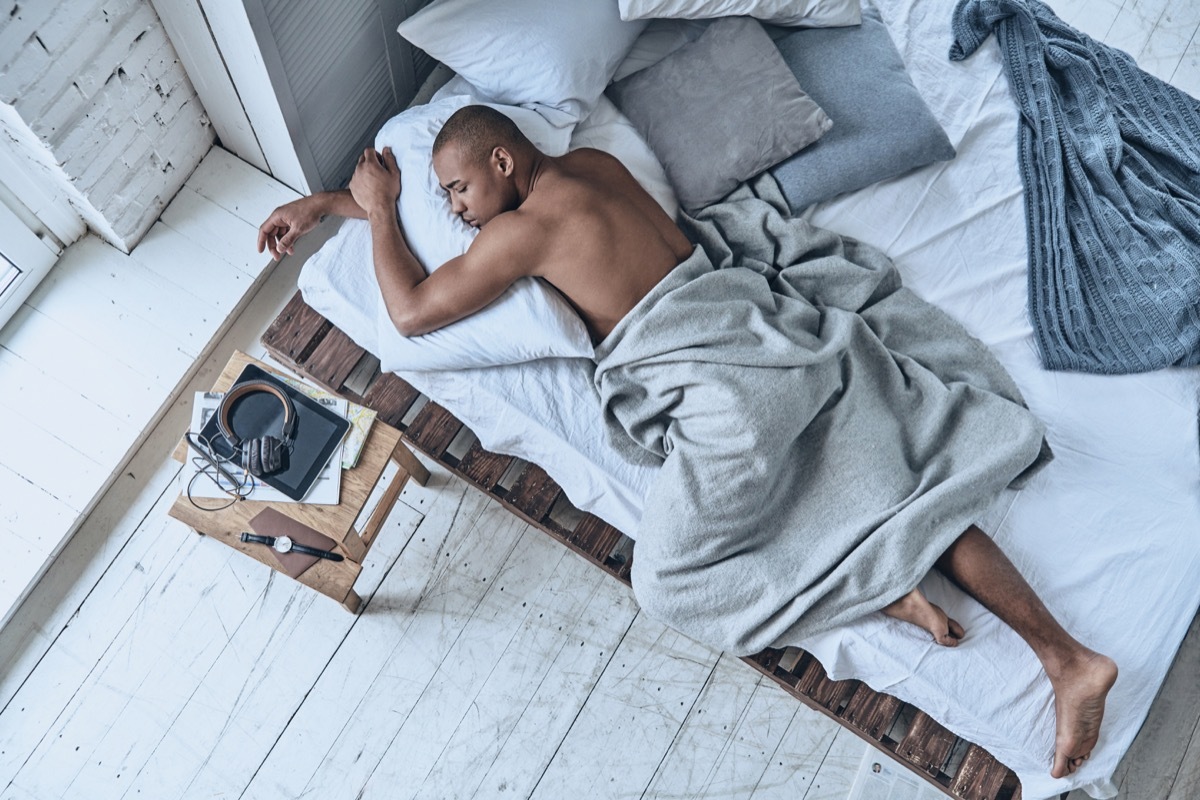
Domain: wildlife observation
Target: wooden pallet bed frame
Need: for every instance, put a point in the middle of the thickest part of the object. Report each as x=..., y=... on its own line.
x=306, y=342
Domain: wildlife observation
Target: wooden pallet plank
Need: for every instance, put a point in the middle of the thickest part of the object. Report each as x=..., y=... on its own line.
x=871, y=712
x=333, y=359
x=625, y=572
x=927, y=744
x=809, y=673
x=834, y=695
x=595, y=537
x=296, y=332
x=534, y=492
x=433, y=429
x=979, y=777
x=483, y=468
x=765, y=660
x=391, y=397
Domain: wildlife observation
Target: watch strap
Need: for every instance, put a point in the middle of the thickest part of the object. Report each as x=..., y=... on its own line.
x=312, y=551
x=269, y=541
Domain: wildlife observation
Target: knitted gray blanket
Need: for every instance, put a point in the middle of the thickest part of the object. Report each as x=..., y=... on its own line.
x=826, y=434
x=1110, y=158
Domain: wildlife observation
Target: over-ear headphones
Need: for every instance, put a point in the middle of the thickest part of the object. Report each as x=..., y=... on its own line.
x=261, y=455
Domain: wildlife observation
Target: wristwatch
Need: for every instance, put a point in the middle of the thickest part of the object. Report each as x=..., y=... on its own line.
x=284, y=544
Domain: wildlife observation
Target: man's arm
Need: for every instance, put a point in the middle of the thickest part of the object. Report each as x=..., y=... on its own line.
x=417, y=303
x=292, y=220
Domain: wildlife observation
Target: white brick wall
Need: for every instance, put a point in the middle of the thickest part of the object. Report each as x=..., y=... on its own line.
x=94, y=102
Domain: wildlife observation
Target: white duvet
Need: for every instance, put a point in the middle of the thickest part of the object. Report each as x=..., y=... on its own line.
x=1108, y=534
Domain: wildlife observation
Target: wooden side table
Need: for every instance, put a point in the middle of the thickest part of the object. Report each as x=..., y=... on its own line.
x=331, y=578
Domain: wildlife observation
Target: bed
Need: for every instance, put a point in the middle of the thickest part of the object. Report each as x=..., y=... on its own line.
x=1106, y=534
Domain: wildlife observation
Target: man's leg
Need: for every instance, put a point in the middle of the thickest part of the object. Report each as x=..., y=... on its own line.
x=1081, y=677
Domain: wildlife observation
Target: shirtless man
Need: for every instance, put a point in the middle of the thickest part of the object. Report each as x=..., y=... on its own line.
x=582, y=223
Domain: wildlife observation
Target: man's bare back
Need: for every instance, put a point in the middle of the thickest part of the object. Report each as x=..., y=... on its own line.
x=600, y=239
x=579, y=221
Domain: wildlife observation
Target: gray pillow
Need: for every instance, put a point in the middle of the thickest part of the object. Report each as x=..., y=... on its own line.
x=720, y=110
x=881, y=126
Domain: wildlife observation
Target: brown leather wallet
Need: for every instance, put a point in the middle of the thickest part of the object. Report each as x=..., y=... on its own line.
x=270, y=522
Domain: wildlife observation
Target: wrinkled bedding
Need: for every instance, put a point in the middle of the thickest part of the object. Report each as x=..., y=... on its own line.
x=1106, y=533
x=825, y=433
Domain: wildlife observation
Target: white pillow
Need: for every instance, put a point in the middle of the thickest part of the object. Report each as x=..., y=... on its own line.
x=559, y=54
x=798, y=13
x=527, y=322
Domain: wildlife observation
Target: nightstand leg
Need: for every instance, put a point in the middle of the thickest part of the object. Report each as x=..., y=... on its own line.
x=352, y=602
x=404, y=457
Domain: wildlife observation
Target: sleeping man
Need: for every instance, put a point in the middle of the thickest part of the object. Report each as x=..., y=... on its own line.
x=826, y=437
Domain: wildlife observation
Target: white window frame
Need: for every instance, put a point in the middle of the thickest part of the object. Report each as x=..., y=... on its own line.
x=24, y=249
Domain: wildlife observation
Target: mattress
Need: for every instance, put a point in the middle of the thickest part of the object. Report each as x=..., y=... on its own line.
x=1107, y=534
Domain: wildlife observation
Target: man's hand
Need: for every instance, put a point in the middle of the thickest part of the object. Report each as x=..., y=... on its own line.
x=376, y=182
x=287, y=224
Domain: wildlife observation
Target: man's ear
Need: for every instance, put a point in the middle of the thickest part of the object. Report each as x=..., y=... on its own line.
x=502, y=159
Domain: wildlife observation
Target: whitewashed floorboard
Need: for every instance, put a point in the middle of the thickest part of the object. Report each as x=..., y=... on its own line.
x=1093, y=17
x=214, y=281
x=213, y=229
x=448, y=701
x=49, y=462
x=1167, y=45
x=530, y=697
x=435, y=626
x=77, y=360
x=102, y=317
x=1132, y=28
x=632, y=715
x=29, y=511
x=215, y=179
x=99, y=348
x=149, y=476
x=22, y=562
x=836, y=774
x=62, y=411
x=792, y=769
x=361, y=678
x=66, y=675
x=732, y=736
x=234, y=713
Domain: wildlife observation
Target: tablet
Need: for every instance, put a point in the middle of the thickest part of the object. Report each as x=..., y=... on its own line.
x=318, y=431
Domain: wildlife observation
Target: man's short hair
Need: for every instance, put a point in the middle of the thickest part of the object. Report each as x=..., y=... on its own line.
x=477, y=130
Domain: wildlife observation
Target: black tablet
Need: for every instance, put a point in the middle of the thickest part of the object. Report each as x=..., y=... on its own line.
x=318, y=431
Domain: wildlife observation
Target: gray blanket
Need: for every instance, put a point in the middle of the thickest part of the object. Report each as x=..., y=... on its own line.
x=825, y=433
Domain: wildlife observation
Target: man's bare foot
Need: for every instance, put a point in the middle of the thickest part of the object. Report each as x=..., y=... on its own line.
x=914, y=607
x=1080, y=689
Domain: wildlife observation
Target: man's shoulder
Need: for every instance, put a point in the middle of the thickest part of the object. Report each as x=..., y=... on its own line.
x=510, y=237
x=590, y=156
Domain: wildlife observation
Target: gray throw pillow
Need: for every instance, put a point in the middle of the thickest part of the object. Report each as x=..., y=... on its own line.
x=881, y=126
x=720, y=110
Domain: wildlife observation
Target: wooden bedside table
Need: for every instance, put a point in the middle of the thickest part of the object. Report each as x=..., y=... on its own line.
x=331, y=578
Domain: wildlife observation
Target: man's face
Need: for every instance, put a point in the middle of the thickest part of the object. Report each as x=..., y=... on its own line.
x=477, y=192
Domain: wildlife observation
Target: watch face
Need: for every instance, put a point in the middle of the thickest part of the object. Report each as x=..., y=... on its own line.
x=283, y=544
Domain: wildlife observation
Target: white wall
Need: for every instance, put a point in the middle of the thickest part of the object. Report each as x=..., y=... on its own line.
x=97, y=111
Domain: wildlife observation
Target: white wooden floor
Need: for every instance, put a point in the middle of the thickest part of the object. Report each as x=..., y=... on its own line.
x=95, y=355
x=488, y=662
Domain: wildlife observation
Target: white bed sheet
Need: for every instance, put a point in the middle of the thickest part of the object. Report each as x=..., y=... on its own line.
x=1108, y=534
